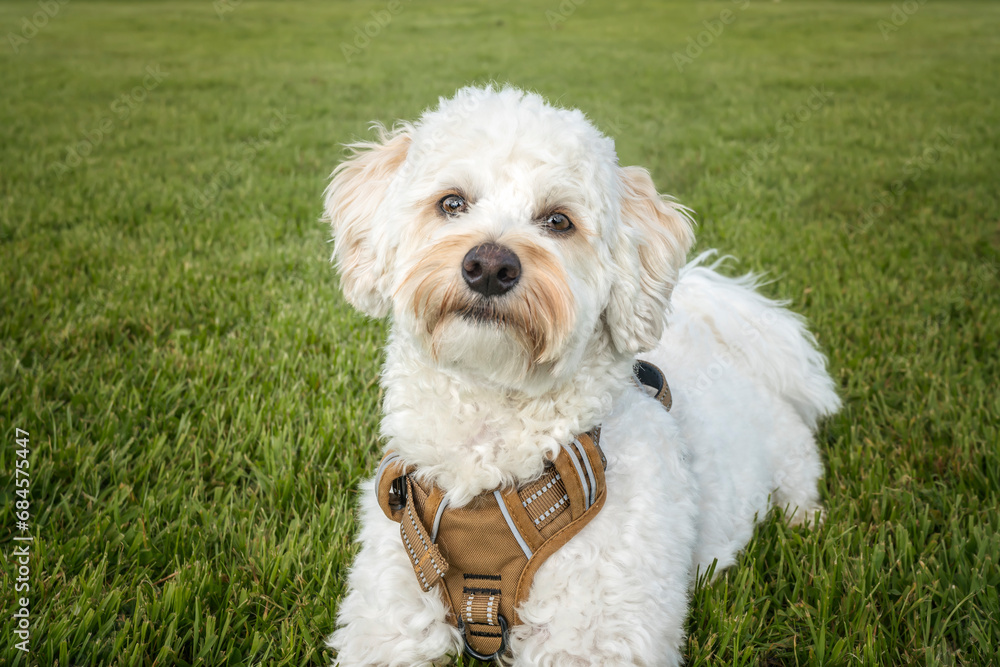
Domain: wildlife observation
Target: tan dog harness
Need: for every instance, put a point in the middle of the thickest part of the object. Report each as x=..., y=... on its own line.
x=487, y=552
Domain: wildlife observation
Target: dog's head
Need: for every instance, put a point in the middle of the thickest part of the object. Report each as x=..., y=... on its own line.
x=504, y=237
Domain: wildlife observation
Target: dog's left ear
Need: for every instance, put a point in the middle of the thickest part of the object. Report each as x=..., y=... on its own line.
x=363, y=251
x=648, y=257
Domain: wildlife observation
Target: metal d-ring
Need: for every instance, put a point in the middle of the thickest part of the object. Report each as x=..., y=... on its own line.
x=500, y=651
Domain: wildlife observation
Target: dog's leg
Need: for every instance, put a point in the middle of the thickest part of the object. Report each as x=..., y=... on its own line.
x=385, y=618
x=798, y=467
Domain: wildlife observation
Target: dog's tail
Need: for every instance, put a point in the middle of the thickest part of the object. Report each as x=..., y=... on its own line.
x=760, y=334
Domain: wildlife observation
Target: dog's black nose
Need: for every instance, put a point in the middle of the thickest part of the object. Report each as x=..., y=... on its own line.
x=491, y=269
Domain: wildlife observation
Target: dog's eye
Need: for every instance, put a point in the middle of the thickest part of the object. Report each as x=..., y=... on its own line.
x=453, y=205
x=558, y=222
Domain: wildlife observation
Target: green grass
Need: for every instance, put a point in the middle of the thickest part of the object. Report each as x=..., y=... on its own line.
x=201, y=402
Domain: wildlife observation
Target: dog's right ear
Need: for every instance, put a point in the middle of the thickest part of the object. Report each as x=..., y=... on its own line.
x=358, y=188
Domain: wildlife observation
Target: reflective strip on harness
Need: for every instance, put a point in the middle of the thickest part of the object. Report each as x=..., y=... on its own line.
x=437, y=520
x=545, y=499
x=579, y=473
x=510, y=524
x=590, y=471
x=388, y=459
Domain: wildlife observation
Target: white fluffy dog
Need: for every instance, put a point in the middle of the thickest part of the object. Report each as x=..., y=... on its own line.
x=524, y=270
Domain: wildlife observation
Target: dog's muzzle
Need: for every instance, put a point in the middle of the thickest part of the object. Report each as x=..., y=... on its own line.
x=491, y=269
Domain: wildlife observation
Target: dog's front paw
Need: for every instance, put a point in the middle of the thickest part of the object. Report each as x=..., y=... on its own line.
x=392, y=642
x=809, y=517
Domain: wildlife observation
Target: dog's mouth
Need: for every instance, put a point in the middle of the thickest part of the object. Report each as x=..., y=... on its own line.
x=484, y=311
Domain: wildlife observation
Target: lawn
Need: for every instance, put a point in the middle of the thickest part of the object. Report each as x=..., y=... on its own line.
x=200, y=402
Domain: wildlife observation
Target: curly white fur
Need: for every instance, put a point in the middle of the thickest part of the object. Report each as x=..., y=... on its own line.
x=482, y=402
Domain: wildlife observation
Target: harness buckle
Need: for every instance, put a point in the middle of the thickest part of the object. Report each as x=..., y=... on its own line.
x=397, y=494
x=471, y=652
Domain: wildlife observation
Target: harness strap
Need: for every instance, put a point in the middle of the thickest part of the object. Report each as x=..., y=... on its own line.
x=425, y=556
x=485, y=628
x=648, y=375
